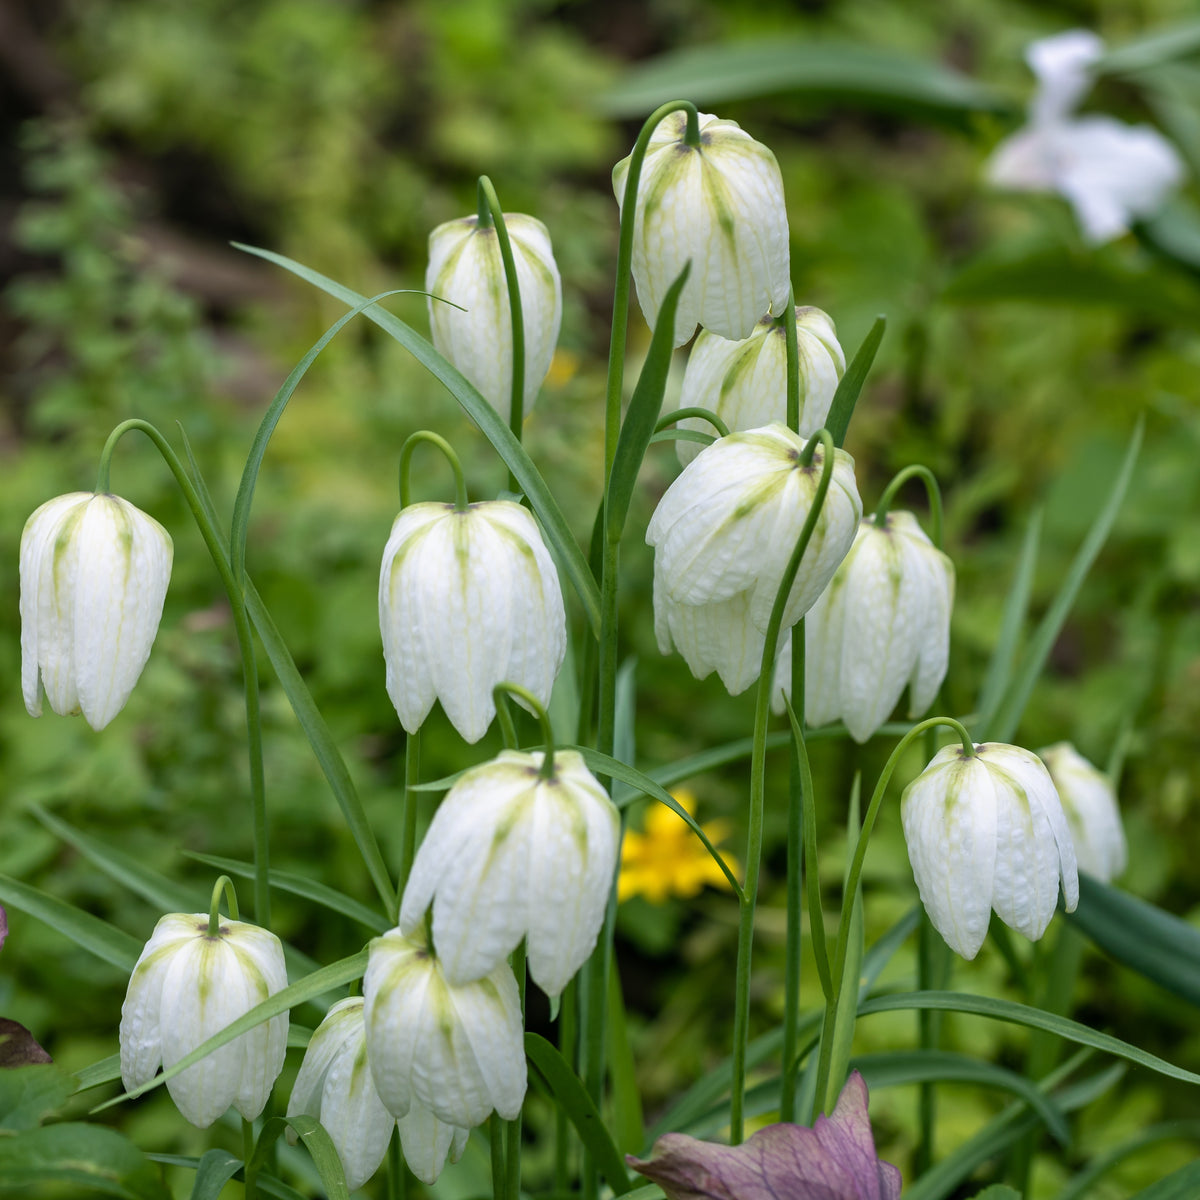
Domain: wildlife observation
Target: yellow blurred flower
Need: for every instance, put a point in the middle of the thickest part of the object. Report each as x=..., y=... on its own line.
x=669, y=859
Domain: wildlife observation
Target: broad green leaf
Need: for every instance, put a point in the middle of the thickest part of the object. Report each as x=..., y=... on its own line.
x=513, y=454
x=867, y=76
x=316, y=1141
x=88, y=1158
x=1167, y=1131
x=572, y=1096
x=1145, y=938
x=999, y=1191
x=851, y=384
x=214, y=1170
x=626, y=1099
x=30, y=1094
x=1157, y=46
x=644, y=406
x=103, y=940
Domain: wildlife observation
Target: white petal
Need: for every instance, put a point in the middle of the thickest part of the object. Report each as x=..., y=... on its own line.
x=1062, y=64
x=397, y=980
x=426, y=1142
x=1090, y=805
x=329, y=1039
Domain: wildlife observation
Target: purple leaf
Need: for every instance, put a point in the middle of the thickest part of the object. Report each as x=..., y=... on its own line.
x=835, y=1160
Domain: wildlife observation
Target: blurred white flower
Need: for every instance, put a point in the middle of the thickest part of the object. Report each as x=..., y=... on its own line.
x=745, y=383
x=719, y=204
x=467, y=600
x=187, y=986
x=94, y=574
x=510, y=854
x=1090, y=803
x=1111, y=173
x=465, y=267
x=987, y=831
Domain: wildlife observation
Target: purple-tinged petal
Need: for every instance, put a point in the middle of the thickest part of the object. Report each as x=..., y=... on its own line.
x=18, y=1047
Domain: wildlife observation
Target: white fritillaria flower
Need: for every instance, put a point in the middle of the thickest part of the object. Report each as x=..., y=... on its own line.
x=745, y=383
x=94, y=574
x=987, y=831
x=719, y=204
x=468, y=599
x=456, y=1051
x=1111, y=173
x=1090, y=803
x=465, y=267
x=512, y=854
x=723, y=535
x=186, y=987
x=882, y=624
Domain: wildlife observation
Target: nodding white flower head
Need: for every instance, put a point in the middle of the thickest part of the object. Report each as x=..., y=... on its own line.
x=456, y=1051
x=512, y=854
x=1110, y=173
x=1090, y=803
x=465, y=267
x=987, y=831
x=468, y=599
x=745, y=383
x=94, y=574
x=186, y=987
x=719, y=204
x=723, y=534
x=883, y=624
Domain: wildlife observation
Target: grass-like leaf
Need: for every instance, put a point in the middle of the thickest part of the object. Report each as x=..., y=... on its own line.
x=1153, y=1135
x=851, y=384
x=316, y=1141
x=214, y=1170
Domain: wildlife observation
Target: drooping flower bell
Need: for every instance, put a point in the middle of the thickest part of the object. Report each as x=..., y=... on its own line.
x=745, y=383
x=723, y=535
x=94, y=574
x=465, y=267
x=987, y=831
x=187, y=986
x=468, y=598
x=719, y=204
x=509, y=854
x=456, y=1051
x=882, y=625
x=1090, y=803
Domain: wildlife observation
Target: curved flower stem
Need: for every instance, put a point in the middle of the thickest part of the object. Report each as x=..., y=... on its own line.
x=408, y=837
x=704, y=414
x=512, y=1156
x=223, y=884
x=932, y=490
x=501, y=693
x=250, y=1175
x=406, y=452
x=758, y=762
x=496, y=1141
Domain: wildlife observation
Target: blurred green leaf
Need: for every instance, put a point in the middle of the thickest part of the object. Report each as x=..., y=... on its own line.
x=626, y=1099
x=1151, y=49
x=1175, y=232
x=214, y=1170
x=88, y=1157
x=30, y=1094
x=1183, y=1184
x=1167, y=1131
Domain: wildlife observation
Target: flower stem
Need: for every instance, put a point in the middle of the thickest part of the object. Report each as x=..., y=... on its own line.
x=223, y=884
x=704, y=414
x=512, y=1157
x=249, y=1171
x=461, y=503
x=496, y=1140
x=932, y=490
x=500, y=694
x=408, y=821
x=788, y=319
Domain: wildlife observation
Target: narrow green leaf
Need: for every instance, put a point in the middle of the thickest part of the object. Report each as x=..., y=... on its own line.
x=882, y=950
x=1167, y=1131
x=1017, y=696
x=83, y=1157
x=266, y=1183
x=1183, y=1184
x=554, y=524
x=105, y=1071
x=572, y=1096
x=626, y=1099
x=1157, y=46
x=851, y=385
x=847, y=1005
x=316, y=1141
x=103, y=940
x=214, y=1170
x=642, y=415
x=1175, y=232
x=999, y=1191
x=30, y=1094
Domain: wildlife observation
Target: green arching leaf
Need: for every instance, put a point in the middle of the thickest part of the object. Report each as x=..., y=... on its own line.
x=1143, y=937
x=300, y=885
x=626, y=1099
x=316, y=1141
x=1017, y=696
x=851, y=385
x=1151, y=49
x=1167, y=1131
x=510, y=450
x=105, y=941
x=882, y=950
x=1034, y=1018
x=642, y=415
x=106, y=1070
x=1183, y=1184
x=327, y=979
x=998, y=1191
x=266, y=1183
x=30, y=1094
x=625, y=720
x=572, y=1096
x=214, y=1170
x=89, y=1159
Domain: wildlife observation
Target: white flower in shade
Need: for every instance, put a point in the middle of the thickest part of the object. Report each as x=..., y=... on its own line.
x=468, y=599
x=745, y=383
x=456, y=1051
x=1090, y=803
x=882, y=624
x=428, y=1142
x=185, y=988
x=719, y=204
x=1110, y=173
x=511, y=854
x=465, y=267
x=723, y=534
x=94, y=574
x=987, y=831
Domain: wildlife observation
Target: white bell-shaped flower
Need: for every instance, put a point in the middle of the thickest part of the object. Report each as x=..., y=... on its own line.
x=511, y=854
x=468, y=599
x=719, y=204
x=882, y=624
x=465, y=267
x=723, y=534
x=1090, y=803
x=987, y=831
x=94, y=574
x=745, y=383
x=185, y=988
x=456, y=1051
